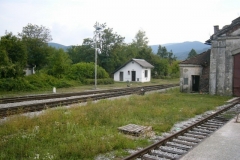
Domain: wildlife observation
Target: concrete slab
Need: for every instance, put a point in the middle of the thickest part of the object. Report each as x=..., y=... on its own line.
x=223, y=144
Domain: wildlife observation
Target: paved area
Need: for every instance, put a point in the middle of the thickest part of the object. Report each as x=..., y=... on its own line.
x=223, y=144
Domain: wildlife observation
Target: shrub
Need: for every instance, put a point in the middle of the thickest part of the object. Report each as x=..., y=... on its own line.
x=38, y=81
x=18, y=84
x=82, y=71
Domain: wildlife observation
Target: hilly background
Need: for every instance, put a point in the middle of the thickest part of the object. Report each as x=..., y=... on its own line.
x=180, y=50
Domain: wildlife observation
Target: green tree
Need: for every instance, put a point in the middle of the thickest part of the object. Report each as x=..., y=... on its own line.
x=36, y=37
x=111, y=42
x=58, y=63
x=13, y=56
x=140, y=40
x=162, y=52
x=192, y=53
x=81, y=53
x=109, y=57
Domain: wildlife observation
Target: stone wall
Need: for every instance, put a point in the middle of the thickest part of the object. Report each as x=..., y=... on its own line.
x=221, y=66
x=204, y=79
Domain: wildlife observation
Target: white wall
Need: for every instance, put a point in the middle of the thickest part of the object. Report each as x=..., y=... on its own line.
x=29, y=71
x=133, y=66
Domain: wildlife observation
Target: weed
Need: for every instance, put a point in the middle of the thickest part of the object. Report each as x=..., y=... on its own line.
x=86, y=131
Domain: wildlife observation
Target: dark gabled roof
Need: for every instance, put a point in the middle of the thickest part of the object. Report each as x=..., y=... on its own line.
x=200, y=59
x=141, y=62
x=225, y=30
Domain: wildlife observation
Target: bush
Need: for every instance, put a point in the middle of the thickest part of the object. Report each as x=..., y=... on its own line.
x=82, y=71
x=18, y=84
x=38, y=81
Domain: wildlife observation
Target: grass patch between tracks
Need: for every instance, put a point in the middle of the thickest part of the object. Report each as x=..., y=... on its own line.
x=87, y=131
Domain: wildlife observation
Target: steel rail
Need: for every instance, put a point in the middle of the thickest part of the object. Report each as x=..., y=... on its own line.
x=60, y=95
x=148, y=149
x=6, y=111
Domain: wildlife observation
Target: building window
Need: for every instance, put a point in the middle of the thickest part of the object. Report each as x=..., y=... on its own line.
x=185, y=81
x=146, y=73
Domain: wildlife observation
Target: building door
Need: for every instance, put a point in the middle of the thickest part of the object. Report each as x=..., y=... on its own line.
x=133, y=75
x=121, y=76
x=236, y=75
x=195, y=83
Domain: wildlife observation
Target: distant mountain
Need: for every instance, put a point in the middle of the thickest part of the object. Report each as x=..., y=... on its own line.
x=58, y=46
x=181, y=50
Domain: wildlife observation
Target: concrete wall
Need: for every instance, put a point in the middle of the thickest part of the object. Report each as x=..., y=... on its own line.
x=186, y=71
x=221, y=64
x=140, y=73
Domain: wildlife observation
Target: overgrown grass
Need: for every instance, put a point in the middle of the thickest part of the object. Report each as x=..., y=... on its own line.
x=87, y=131
x=78, y=87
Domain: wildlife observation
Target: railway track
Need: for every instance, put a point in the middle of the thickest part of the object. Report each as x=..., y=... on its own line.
x=50, y=96
x=7, y=106
x=178, y=144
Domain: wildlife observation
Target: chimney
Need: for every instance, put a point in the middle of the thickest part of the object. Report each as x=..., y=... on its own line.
x=216, y=29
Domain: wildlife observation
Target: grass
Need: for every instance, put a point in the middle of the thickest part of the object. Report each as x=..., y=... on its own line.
x=89, y=87
x=87, y=131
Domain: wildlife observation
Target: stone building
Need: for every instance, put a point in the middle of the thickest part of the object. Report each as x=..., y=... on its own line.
x=194, y=73
x=216, y=71
x=224, y=78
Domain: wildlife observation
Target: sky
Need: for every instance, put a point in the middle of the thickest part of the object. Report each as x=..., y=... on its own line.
x=164, y=21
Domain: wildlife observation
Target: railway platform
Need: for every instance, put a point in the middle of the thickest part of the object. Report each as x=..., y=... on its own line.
x=224, y=144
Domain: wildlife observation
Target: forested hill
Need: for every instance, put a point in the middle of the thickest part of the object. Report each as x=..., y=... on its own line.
x=180, y=50
x=58, y=46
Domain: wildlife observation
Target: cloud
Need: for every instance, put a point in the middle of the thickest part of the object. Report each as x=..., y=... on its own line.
x=164, y=21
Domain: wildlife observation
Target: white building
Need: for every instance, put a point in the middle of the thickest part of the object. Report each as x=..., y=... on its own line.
x=137, y=70
x=29, y=70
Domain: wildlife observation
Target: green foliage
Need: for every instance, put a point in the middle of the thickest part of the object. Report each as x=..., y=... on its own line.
x=13, y=56
x=42, y=81
x=33, y=82
x=84, y=53
x=35, y=38
x=175, y=67
x=141, y=40
x=163, y=53
x=58, y=63
x=16, y=84
x=32, y=49
x=82, y=71
x=192, y=53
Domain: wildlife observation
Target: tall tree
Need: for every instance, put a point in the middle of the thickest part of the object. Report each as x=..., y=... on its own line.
x=140, y=40
x=162, y=52
x=59, y=63
x=192, y=53
x=13, y=56
x=111, y=42
x=81, y=53
x=108, y=58
x=36, y=37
